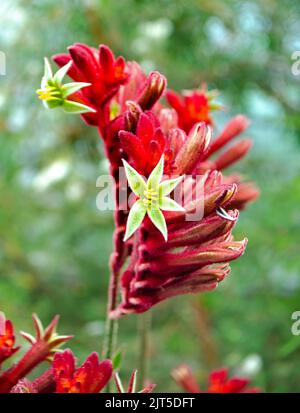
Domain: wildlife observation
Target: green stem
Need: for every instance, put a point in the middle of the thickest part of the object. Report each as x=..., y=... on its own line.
x=144, y=327
x=111, y=328
x=111, y=331
x=110, y=338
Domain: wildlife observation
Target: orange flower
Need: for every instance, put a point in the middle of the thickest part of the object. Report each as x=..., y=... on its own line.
x=7, y=338
x=90, y=377
x=218, y=381
x=42, y=347
x=194, y=106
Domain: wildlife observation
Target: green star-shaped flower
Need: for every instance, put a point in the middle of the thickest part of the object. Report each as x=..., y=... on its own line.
x=152, y=198
x=54, y=93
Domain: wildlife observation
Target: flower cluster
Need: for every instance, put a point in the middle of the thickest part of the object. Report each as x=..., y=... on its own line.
x=139, y=130
x=92, y=376
x=218, y=382
x=62, y=376
x=100, y=69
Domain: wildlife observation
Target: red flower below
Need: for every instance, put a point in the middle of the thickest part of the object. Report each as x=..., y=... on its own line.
x=91, y=377
x=7, y=339
x=42, y=347
x=218, y=382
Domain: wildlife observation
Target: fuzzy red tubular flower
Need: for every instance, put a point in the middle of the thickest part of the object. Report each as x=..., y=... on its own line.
x=195, y=106
x=197, y=254
x=218, y=382
x=7, y=339
x=194, y=259
x=91, y=377
x=247, y=191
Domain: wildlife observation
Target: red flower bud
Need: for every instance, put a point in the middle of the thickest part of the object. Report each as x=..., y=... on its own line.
x=193, y=148
x=154, y=88
x=234, y=127
x=233, y=154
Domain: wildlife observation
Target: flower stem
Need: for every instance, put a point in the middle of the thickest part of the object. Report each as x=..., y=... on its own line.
x=110, y=338
x=111, y=329
x=117, y=259
x=144, y=327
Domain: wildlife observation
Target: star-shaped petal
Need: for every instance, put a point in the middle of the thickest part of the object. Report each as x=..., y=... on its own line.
x=152, y=198
x=54, y=93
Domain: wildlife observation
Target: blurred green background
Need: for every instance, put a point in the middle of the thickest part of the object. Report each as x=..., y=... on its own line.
x=55, y=244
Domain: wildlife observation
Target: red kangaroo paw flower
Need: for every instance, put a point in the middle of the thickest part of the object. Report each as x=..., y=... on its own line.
x=91, y=377
x=43, y=346
x=194, y=106
x=218, y=382
x=184, y=377
x=136, y=127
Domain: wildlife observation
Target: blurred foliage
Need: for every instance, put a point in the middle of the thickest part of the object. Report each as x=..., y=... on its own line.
x=55, y=244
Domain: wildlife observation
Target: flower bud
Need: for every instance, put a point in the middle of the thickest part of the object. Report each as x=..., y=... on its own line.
x=234, y=127
x=233, y=154
x=192, y=150
x=155, y=87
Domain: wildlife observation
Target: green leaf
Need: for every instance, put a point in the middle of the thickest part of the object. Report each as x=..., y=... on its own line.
x=75, y=107
x=135, y=180
x=48, y=75
x=156, y=175
x=135, y=218
x=72, y=87
x=166, y=187
x=61, y=73
x=117, y=360
x=168, y=204
x=159, y=221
